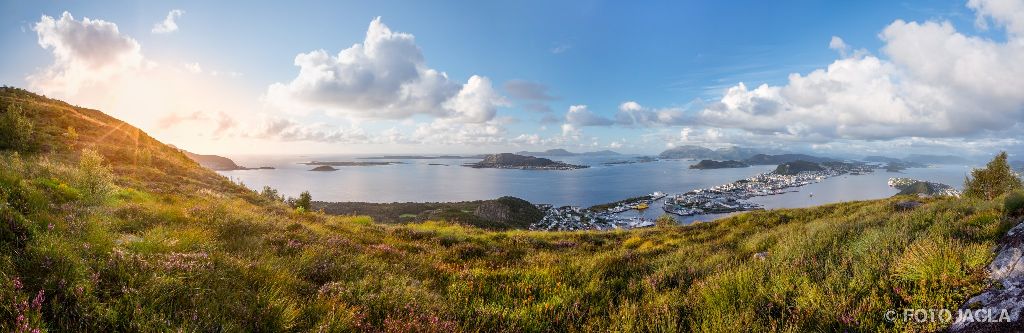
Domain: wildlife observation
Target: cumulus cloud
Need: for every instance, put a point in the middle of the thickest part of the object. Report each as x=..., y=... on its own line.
x=449, y=132
x=527, y=90
x=580, y=115
x=838, y=44
x=283, y=129
x=85, y=52
x=97, y=66
x=385, y=76
x=633, y=114
x=169, y=24
x=221, y=121
x=476, y=102
x=933, y=82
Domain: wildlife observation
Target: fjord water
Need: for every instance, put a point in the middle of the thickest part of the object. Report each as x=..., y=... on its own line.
x=423, y=180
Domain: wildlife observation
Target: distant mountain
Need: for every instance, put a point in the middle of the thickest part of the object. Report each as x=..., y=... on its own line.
x=600, y=153
x=765, y=159
x=701, y=153
x=1017, y=165
x=736, y=153
x=936, y=159
x=563, y=152
x=688, y=151
x=795, y=167
x=881, y=159
x=214, y=162
x=710, y=164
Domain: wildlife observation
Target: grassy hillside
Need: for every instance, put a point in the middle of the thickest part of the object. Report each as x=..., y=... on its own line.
x=157, y=243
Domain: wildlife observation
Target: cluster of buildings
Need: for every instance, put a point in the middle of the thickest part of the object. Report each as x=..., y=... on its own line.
x=571, y=218
x=732, y=197
x=726, y=198
x=938, y=189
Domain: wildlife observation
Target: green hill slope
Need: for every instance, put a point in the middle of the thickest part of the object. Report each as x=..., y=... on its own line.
x=159, y=244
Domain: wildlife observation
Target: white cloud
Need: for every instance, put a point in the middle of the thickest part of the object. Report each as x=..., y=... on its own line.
x=449, y=132
x=561, y=48
x=97, y=66
x=633, y=114
x=86, y=52
x=282, y=129
x=193, y=67
x=385, y=76
x=579, y=115
x=839, y=45
x=935, y=82
x=169, y=24
x=476, y=102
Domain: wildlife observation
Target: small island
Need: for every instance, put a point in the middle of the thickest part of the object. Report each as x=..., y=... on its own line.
x=324, y=168
x=513, y=161
x=347, y=163
x=712, y=164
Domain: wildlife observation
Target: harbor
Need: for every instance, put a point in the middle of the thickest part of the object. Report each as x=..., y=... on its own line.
x=713, y=201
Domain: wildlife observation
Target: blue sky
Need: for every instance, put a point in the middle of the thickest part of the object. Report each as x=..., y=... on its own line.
x=672, y=58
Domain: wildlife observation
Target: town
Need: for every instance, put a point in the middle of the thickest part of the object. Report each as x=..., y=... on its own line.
x=726, y=198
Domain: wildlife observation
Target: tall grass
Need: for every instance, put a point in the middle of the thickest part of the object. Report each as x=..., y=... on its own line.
x=219, y=261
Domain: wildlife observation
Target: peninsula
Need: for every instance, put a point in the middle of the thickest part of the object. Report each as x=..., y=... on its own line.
x=712, y=164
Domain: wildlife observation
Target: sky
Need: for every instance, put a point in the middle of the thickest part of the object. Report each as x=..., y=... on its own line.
x=826, y=77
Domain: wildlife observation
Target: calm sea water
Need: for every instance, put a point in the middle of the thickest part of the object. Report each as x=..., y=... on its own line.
x=419, y=181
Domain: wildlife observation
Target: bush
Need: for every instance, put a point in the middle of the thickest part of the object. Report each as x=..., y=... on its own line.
x=271, y=194
x=1013, y=205
x=305, y=199
x=94, y=179
x=665, y=221
x=992, y=181
x=16, y=130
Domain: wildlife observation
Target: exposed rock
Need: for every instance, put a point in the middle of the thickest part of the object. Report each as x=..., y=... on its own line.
x=761, y=255
x=1006, y=292
x=510, y=211
x=906, y=205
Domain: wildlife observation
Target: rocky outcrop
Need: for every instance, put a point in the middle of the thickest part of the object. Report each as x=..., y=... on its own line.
x=1006, y=293
x=510, y=211
x=214, y=162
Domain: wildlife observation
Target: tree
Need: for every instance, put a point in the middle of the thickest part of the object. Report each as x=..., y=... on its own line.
x=993, y=180
x=305, y=199
x=16, y=130
x=72, y=137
